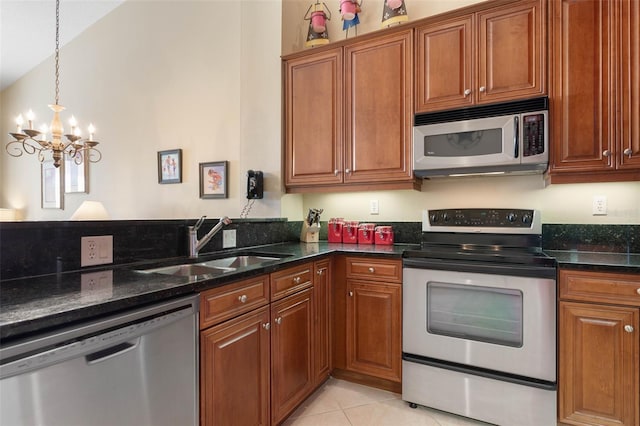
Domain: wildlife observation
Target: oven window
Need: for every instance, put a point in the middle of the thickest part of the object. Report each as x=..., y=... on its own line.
x=484, y=314
x=479, y=142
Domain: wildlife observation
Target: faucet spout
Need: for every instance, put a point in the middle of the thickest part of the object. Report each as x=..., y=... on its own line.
x=196, y=245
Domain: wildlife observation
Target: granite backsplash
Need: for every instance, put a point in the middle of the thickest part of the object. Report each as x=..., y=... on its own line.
x=592, y=238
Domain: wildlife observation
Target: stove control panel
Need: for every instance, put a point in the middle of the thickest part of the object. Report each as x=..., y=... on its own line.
x=506, y=219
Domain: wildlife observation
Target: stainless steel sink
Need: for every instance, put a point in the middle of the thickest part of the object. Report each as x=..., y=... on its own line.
x=236, y=262
x=190, y=270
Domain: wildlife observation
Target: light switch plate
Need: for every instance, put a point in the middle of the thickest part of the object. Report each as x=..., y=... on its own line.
x=228, y=238
x=96, y=250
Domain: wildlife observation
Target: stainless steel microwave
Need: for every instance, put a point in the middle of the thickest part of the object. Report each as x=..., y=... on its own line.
x=494, y=139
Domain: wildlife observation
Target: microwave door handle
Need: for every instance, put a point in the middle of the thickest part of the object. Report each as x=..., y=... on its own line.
x=516, y=136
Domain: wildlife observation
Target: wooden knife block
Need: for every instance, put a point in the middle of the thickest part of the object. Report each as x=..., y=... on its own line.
x=309, y=233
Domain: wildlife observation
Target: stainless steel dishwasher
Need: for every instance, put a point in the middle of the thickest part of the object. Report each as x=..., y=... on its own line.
x=136, y=368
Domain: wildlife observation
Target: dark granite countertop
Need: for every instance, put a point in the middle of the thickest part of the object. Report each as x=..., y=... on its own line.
x=39, y=304
x=603, y=261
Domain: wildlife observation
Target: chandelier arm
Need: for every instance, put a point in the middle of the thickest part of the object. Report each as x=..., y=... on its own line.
x=93, y=155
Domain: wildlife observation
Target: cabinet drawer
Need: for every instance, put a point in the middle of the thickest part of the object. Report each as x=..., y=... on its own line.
x=605, y=287
x=228, y=301
x=290, y=280
x=374, y=269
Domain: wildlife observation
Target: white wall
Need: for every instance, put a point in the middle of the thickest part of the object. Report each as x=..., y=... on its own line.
x=203, y=76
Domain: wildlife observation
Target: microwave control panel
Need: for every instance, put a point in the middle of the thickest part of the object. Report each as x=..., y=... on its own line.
x=533, y=134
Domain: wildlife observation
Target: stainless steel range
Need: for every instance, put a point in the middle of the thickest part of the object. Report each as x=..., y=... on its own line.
x=479, y=317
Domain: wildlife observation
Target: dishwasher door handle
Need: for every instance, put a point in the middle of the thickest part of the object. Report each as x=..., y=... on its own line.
x=111, y=352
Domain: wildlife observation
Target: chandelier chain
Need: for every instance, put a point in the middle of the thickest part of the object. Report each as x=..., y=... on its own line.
x=57, y=52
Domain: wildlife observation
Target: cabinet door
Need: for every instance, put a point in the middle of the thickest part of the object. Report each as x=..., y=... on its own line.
x=313, y=119
x=378, y=90
x=292, y=377
x=511, y=52
x=582, y=124
x=599, y=364
x=374, y=329
x=234, y=371
x=629, y=152
x=322, y=320
x=444, y=65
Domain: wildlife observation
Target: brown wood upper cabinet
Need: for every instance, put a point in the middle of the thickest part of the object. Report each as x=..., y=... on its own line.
x=595, y=91
x=493, y=55
x=348, y=116
x=599, y=348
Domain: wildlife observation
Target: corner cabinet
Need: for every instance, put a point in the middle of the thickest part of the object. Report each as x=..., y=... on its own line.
x=348, y=116
x=599, y=361
x=494, y=55
x=595, y=91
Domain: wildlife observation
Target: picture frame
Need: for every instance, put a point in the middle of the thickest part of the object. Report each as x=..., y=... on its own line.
x=170, y=166
x=76, y=176
x=52, y=187
x=214, y=177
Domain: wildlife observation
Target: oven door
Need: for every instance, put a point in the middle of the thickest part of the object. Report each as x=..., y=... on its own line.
x=498, y=322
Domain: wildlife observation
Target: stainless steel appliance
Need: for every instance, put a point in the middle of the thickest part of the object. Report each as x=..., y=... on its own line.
x=479, y=317
x=497, y=139
x=136, y=368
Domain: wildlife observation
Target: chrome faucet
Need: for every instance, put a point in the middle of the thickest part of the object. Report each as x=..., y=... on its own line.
x=196, y=245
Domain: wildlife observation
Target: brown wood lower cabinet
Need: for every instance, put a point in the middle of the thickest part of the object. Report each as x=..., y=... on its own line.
x=235, y=371
x=292, y=377
x=599, y=361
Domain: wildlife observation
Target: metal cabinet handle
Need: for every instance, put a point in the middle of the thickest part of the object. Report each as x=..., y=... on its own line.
x=628, y=152
x=266, y=325
x=320, y=271
x=606, y=153
x=347, y=170
x=336, y=172
x=482, y=89
x=372, y=270
x=278, y=320
x=467, y=92
x=351, y=294
x=243, y=298
x=638, y=291
x=628, y=328
x=296, y=280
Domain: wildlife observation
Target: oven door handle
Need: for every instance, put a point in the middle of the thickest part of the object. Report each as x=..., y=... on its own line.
x=480, y=267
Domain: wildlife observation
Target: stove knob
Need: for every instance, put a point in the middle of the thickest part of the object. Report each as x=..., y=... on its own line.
x=511, y=217
x=445, y=217
x=433, y=218
x=526, y=218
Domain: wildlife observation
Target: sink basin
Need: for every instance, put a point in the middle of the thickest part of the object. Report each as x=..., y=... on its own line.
x=191, y=270
x=239, y=261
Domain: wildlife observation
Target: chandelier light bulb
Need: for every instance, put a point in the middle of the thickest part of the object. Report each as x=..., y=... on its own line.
x=30, y=117
x=77, y=132
x=43, y=132
x=91, y=130
x=19, y=122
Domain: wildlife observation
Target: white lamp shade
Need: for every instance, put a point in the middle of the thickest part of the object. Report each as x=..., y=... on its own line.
x=90, y=210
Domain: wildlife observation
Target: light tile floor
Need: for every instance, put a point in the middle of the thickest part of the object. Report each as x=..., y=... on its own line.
x=342, y=403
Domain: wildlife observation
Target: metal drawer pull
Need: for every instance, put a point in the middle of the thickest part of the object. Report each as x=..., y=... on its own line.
x=296, y=280
x=628, y=152
x=482, y=89
x=278, y=320
x=628, y=328
x=606, y=153
x=351, y=293
x=347, y=171
x=336, y=172
x=320, y=271
x=372, y=270
x=243, y=298
x=266, y=325
x=638, y=291
x=467, y=92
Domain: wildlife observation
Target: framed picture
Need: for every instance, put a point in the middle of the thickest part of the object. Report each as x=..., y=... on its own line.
x=170, y=166
x=213, y=179
x=51, y=190
x=76, y=176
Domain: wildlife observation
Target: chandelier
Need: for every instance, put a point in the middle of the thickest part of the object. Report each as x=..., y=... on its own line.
x=32, y=141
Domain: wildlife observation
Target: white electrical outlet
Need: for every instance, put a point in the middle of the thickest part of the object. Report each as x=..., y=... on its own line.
x=599, y=205
x=96, y=250
x=374, y=207
x=228, y=238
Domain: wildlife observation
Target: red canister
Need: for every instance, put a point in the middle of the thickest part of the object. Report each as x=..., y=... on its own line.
x=350, y=232
x=334, y=233
x=365, y=233
x=384, y=235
